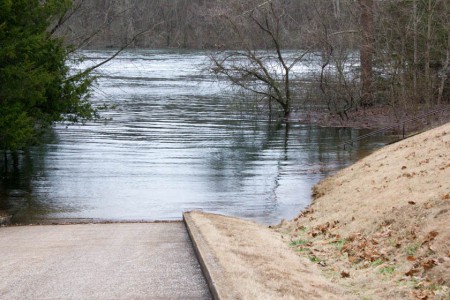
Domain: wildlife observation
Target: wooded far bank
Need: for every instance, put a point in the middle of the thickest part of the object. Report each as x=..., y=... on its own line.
x=403, y=46
x=392, y=53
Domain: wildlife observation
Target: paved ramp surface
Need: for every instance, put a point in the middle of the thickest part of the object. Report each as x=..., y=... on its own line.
x=99, y=261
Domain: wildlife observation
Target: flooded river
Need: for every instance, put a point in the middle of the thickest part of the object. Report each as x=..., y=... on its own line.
x=173, y=142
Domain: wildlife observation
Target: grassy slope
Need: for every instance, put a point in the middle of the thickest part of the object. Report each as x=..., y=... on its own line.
x=249, y=261
x=382, y=226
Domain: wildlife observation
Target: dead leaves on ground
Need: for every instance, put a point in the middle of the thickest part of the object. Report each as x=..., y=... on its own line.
x=412, y=272
x=361, y=248
x=324, y=229
x=409, y=248
x=422, y=294
x=384, y=246
x=428, y=264
x=304, y=213
x=345, y=274
x=421, y=265
x=430, y=237
x=426, y=289
x=443, y=168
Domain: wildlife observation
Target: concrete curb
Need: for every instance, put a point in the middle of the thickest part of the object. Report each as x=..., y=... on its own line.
x=204, y=255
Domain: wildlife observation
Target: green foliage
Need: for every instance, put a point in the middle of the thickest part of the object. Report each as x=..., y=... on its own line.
x=316, y=259
x=298, y=242
x=377, y=262
x=36, y=88
x=412, y=249
x=303, y=249
x=338, y=244
x=387, y=270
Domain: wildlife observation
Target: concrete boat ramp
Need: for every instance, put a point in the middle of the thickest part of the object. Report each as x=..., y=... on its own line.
x=206, y=256
x=100, y=261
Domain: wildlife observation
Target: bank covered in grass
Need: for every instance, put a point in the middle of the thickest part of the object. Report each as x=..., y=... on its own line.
x=381, y=227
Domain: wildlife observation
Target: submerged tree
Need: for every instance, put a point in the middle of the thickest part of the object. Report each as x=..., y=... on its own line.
x=36, y=87
x=267, y=72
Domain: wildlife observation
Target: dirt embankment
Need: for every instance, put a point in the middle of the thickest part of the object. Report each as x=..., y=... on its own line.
x=381, y=227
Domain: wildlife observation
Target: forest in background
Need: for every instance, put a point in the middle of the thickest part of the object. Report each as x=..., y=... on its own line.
x=403, y=45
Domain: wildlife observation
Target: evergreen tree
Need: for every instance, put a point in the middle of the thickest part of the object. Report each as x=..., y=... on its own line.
x=36, y=88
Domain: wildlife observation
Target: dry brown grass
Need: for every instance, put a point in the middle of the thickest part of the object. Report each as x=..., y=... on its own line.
x=252, y=262
x=382, y=226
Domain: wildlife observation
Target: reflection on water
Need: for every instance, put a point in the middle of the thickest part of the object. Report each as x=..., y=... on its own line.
x=173, y=143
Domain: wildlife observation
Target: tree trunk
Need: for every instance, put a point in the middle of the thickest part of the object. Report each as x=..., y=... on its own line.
x=15, y=159
x=444, y=71
x=287, y=108
x=428, y=83
x=366, y=52
x=416, y=55
x=287, y=111
x=6, y=160
x=337, y=8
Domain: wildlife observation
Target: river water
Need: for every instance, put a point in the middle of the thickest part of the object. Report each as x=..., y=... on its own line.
x=173, y=142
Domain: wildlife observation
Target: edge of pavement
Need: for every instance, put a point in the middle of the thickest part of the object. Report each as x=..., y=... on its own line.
x=208, y=262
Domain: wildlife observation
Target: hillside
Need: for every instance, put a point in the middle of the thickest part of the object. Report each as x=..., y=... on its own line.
x=381, y=227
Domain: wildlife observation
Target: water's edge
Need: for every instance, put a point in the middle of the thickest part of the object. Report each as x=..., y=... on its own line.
x=174, y=143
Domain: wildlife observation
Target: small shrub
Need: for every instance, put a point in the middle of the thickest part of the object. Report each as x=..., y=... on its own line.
x=412, y=249
x=338, y=244
x=377, y=262
x=299, y=242
x=315, y=259
x=387, y=270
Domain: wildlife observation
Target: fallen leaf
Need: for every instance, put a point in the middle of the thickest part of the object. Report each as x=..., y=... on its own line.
x=424, y=161
x=411, y=258
x=412, y=272
x=345, y=274
x=429, y=264
x=413, y=154
x=430, y=236
x=421, y=294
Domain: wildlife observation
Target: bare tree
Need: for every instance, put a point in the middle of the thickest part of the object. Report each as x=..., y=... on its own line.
x=337, y=76
x=411, y=52
x=263, y=72
x=366, y=52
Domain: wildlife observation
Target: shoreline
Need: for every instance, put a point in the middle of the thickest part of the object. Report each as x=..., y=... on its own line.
x=377, y=229
x=376, y=117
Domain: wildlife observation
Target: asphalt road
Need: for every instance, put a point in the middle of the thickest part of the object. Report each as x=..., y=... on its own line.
x=100, y=261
